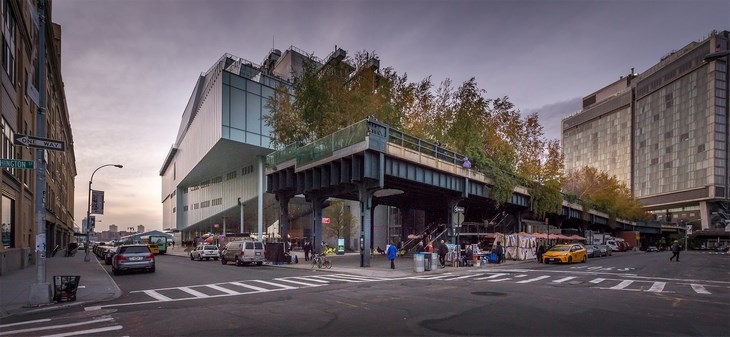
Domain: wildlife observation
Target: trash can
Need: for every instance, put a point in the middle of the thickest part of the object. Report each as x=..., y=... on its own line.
x=427, y=261
x=434, y=261
x=64, y=288
x=418, y=262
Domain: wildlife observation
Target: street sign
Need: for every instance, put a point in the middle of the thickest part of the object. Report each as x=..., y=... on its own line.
x=325, y=220
x=458, y=209
x=97, y=202
x=689, y=229
x=41, y=143
x=12, y=163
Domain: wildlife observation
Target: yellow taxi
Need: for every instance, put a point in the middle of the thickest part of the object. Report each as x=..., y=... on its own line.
x=565, y=253
x=153, y=248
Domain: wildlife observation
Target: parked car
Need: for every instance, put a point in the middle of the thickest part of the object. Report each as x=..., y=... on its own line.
x=652, y=249
x=592, y=251
x=109, y=253
x=723, y=248
x=133, y=257
x=605, y=250
x=565, y=253
x=203, y=251
x=243, y=252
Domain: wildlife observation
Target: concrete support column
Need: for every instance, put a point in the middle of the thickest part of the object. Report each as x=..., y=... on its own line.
x=284, y=219
x=317, y=233
x=366, y=222
x=453, y=220
x=705, y=215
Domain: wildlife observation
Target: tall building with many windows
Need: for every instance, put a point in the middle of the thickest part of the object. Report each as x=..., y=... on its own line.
x=19, y=100
x=664, y=132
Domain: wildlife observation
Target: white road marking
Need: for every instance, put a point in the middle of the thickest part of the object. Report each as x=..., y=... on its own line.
x=225, y=290
x=657, y=287
x=700, y=289
x=491, y=277
x=463, y=277
x=597, y=281
x=154, y=294
x=534, y=279
x=622, y=285
x=284, y=286
x=564, y=279
x=194, y=292
x=250, y=286
x=86, y=332
x=290, y=280
x=26, y=322
x=50, y=327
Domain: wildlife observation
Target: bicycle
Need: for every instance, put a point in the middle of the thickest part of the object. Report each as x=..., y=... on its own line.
x=321, y=261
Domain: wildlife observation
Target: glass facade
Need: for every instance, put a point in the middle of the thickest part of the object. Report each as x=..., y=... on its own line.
x=673, y=137
x=603, y=143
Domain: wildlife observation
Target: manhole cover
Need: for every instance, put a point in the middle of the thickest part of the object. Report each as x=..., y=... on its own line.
x=488, y=293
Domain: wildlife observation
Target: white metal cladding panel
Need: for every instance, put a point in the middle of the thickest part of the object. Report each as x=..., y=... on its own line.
x=203, y=134
x=168, y=217
x=229, y=190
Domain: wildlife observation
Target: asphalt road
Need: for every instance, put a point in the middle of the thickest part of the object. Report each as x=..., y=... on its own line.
x=623, y=295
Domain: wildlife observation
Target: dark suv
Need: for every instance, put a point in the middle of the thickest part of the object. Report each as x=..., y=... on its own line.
x=133, y=257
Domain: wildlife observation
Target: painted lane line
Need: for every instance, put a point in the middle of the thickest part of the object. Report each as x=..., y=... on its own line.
x=534, y=279
x=432, y=277
x=564, y=279
x=283, y=286
x=657, y=287
x=700, y=289
x=50, y=327
x=154, y=294
x=86, y=332
x=491, y=277
x=250, y=286
x=298, y=282
x=358, y=278
x=26, y=322
x=194, y=292
x=225, y=290
x=463, y=277
x=622, y=285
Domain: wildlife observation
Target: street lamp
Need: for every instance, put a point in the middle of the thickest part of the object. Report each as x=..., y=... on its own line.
x=88, y=209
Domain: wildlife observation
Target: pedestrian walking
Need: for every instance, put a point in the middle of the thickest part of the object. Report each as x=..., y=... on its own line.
x=307, y=249
x=675, y=251
x=392, y=252
x=442, y=250
x=540, y=252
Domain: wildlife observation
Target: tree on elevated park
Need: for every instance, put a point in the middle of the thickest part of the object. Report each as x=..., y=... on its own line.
x=595, y=189
x=494, y=135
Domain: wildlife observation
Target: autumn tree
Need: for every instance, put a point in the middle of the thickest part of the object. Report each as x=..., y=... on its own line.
x=342, y=224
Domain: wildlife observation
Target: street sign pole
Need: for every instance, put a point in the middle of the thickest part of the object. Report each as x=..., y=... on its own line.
x=41, y=291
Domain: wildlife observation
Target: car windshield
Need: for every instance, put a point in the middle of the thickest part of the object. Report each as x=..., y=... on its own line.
x=559, y=249
x=210, y=247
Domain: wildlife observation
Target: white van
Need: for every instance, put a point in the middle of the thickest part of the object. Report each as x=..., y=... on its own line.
x=613, y=245
x=243, y=252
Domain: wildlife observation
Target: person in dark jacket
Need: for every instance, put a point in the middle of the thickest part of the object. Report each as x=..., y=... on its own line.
x=540, y=252
x=468, y=255
x=500, y=252
x=442, y=249
x=307, y=249
x=392, y=252
x=675, y=251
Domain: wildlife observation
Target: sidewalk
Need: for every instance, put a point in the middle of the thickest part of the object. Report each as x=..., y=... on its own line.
x=95, y=284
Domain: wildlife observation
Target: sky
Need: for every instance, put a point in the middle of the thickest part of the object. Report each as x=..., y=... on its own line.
x=129, y=66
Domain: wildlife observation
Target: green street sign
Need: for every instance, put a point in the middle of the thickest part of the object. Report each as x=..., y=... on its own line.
x=12, y=163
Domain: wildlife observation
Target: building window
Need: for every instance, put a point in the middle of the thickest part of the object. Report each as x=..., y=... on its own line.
x=8, y=41
x=231, y=175
x=8, y=222
x=185, y=208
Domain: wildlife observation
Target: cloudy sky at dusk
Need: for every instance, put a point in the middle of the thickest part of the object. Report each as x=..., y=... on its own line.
x=129, y=66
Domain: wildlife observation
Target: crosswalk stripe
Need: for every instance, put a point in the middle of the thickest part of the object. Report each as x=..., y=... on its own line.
x=283, y=286
x=657, y=287
x=700, y=289
x=331, y=278
x=156, y=295
x=26, y=322
x=298, y=282
x=225, y=290
x=84, y=332
x=50, y=327
x=432, y=277
x=463, y=277
x=309, y=278
x=534, y=279
x=564, y=279
x=249, y=286
x=491, y=277
x=193, y=292
x=622, y=285
x=597, y=281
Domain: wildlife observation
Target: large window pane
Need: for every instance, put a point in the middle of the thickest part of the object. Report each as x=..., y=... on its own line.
x=226, y=117
x=253, y=112
x=238, y=109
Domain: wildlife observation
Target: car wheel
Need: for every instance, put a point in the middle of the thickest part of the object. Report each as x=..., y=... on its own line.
x=223, y=260
x=546, y=261
x=584, y=259
x=152, y=270
x=238, y=262
x=259, y=263
x=115, y=271
x=215, y=258
x=192, y=258
x=570, y=259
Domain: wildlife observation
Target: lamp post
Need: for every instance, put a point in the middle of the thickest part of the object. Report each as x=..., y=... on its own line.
x=88, y=209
